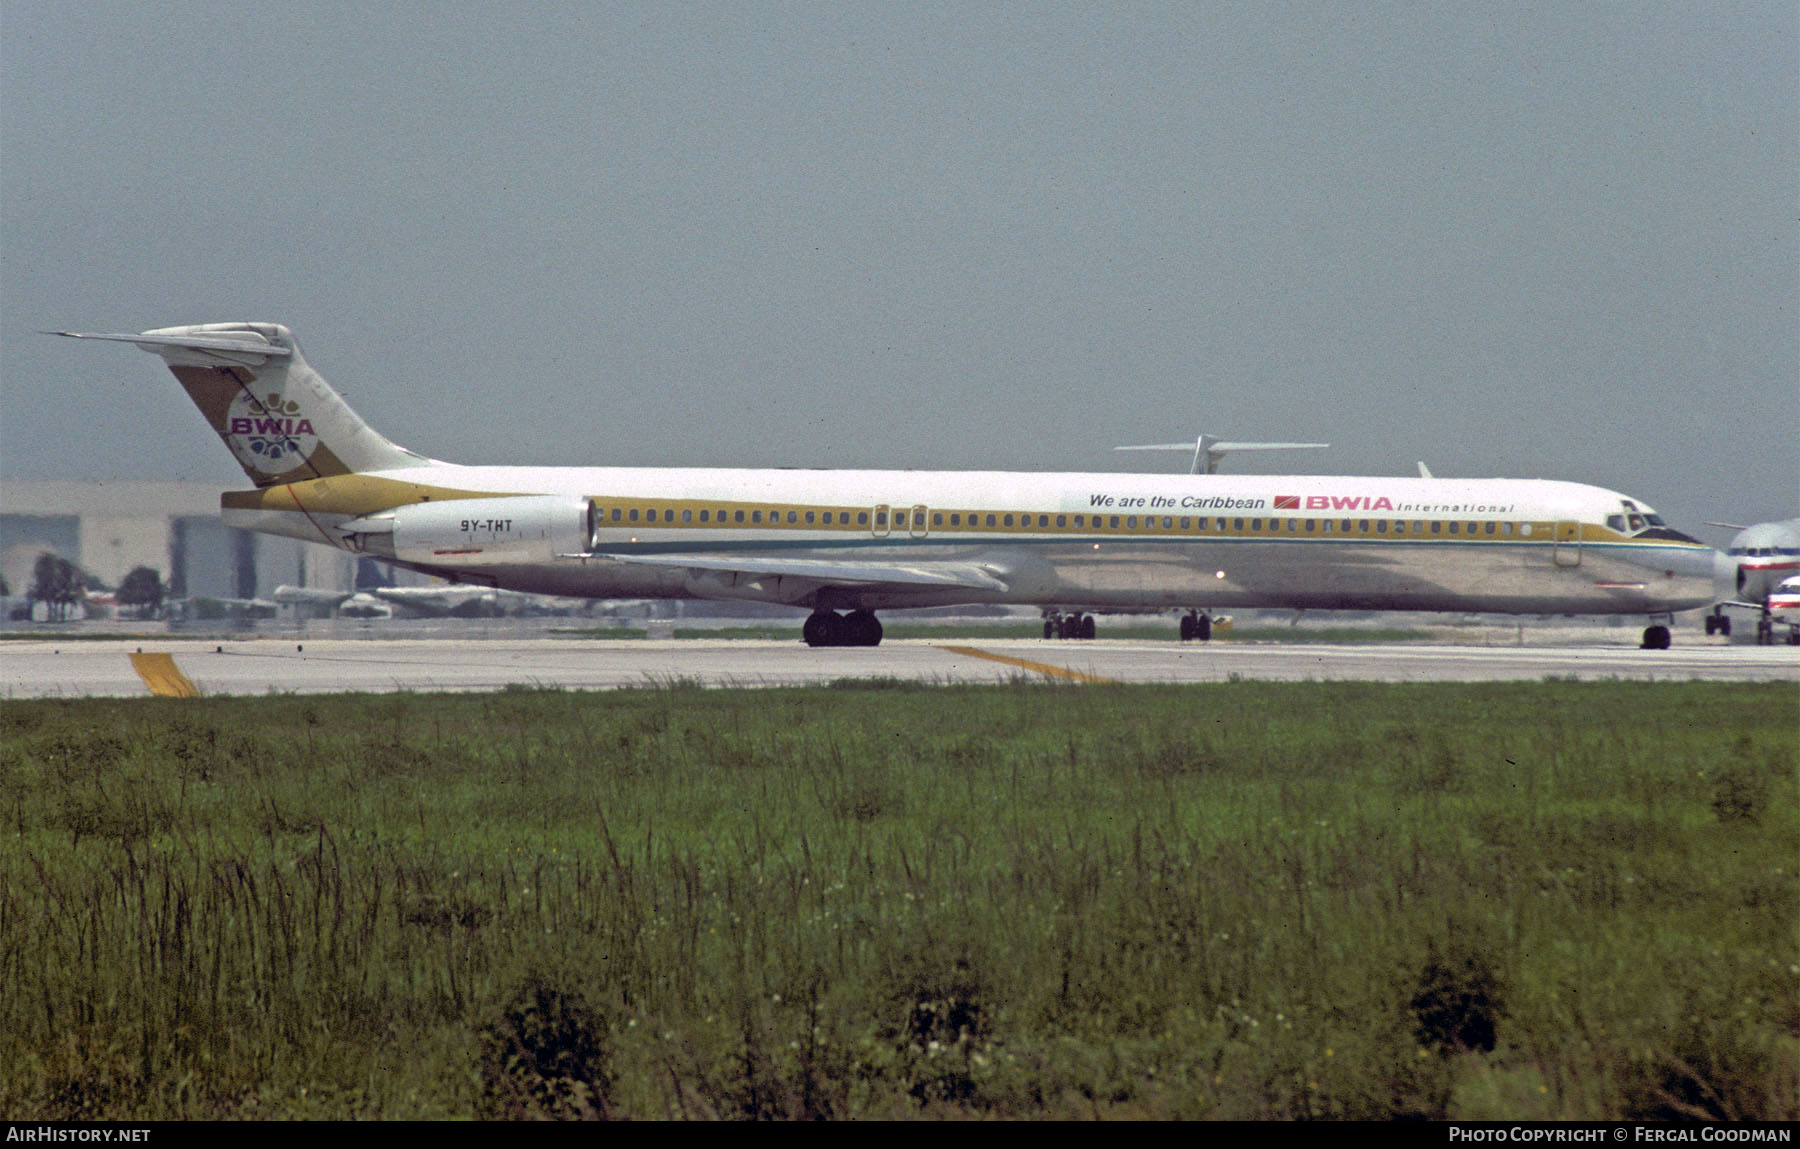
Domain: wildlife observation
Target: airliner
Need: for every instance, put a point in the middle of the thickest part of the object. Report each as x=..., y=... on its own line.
x=848, y=543
x=1761, y=562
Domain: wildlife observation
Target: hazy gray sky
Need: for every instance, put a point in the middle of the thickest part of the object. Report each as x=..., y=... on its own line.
x=1536, y=240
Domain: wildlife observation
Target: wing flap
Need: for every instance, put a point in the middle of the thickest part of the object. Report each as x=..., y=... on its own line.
x=968, y=576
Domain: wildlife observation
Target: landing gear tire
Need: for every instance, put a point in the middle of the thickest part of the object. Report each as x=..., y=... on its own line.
x=1087, y=628
x=1656, y=638
x=862, y=628
x=1196, y=627
x=822, y=628
x=828, y=628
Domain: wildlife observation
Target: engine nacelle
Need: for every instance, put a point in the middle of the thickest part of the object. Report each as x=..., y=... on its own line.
x=478, y=532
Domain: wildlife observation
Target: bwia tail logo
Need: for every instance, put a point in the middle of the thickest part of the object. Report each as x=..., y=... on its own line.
x=269, y=433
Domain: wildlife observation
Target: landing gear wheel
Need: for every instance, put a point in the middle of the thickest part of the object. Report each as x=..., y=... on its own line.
x=1086, y=627
x=1656, y=638
x=822, y=628
x=862, y=628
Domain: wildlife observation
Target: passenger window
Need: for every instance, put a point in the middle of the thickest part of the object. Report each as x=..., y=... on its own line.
x=1043, y=520
x=1186, y=522
x=756, y=516
x=616, y=513
x=991, y=519
x=1381, y=526
x=881, y=518
x=1324, y=526
x=1167, y=522
x=955, y=519
x=1256, y=524
x=1219, y=524
x=1007, y=520
x=1487, y=528
x=899, y=518
x=1348, y=525
x=862, y=518
x=937, y=518
x=1311, y=525
x=1506, y=528
x=1455, y=527
x=1062, y=520
x=738, y=516
x=1080, y=521
x=1363, y=526
x=809, y=518
x=687, y=516
x=703, y=515
x=634, y=514
x=1113, y=522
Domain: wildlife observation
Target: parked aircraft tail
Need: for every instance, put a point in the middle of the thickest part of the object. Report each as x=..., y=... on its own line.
x=281, y=420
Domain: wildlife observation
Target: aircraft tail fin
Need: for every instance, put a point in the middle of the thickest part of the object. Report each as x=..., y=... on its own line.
x=281, y=420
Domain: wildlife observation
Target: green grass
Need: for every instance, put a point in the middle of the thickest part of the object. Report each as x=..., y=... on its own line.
x=1238, y=901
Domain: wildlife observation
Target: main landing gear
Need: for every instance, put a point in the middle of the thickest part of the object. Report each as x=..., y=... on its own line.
x=1071, y=625
x=1656, y=638
x=829, y=628
x=1196, y=627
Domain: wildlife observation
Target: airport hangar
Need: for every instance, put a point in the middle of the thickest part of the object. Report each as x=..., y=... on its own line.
x=107, y=528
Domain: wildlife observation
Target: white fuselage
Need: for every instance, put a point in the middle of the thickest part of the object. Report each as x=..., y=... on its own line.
x=1098, y=541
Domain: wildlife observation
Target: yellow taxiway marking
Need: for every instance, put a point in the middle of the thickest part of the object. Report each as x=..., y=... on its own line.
x=1039, y=667
x=159, y=674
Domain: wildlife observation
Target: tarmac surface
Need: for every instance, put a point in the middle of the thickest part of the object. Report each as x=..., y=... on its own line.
x=259, y=666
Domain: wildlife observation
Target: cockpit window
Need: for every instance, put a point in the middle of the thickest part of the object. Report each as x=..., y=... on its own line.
x=1616, y=522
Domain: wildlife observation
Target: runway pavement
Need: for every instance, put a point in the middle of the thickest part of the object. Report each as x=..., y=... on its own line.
x=173, y=667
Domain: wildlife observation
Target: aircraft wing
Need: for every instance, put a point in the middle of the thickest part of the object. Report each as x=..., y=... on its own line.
x=972, y=576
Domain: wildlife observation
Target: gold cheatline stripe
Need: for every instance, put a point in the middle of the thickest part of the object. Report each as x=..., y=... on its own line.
x=159, y=674
x=1040, y=667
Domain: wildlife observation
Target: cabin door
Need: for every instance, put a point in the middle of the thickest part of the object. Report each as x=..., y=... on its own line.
x=1566, y=551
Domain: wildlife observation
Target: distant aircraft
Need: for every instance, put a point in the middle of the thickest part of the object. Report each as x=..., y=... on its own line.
x=1761, y=561
x=1208, y=451
x=849, y=543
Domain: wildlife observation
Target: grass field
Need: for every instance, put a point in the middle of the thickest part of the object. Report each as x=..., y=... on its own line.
x=1553, y=900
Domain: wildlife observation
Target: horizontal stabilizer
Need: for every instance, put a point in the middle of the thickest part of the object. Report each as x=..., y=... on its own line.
x=243, y=342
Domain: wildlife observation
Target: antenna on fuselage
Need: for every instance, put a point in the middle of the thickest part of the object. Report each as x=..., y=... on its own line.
x=1208, y=450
